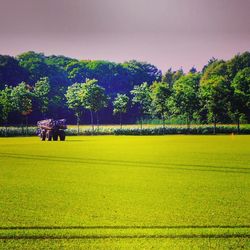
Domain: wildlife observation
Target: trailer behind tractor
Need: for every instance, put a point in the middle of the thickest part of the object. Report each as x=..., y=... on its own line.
x=52, y=129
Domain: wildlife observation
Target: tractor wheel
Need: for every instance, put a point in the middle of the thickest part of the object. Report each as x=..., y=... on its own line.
x=49, y=135
x=55, y=136
x=62, y=135
x=43, y=135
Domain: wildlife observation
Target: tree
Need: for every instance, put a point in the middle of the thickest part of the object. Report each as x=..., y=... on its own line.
x=237, y=63
x=41, y=91
x=170, y=77
x=210, y=61
x=185, y=96
x=160, y=93
x=240, y=99
x=215, y=93
x=140, y=72
x=93, y=98
x=75, y=101
x=120, y=105
x=6, y=105
x=141, y=98
x=11, y=72
x=22, y=101
x=193, y=70
x=39, y=66
x=35, y=64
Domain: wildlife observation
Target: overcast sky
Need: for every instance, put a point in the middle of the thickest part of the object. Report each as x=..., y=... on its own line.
x=166, y=33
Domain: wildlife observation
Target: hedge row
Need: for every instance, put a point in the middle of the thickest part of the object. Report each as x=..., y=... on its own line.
x=196, y=130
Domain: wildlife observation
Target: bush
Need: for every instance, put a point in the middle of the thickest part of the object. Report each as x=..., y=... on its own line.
x=195, y=130
x=17, y=131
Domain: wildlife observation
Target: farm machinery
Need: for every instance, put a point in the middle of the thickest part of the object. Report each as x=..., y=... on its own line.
x=52, y=129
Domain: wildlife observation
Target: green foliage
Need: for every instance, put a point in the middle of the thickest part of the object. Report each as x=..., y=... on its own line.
x=41, y=92
x=35, y=64
x=6, y=103
x=196, y=130
x=239, y=101
x=11, y=73
x=238, y=63
x=133, y=130
x=160, y=94
x=167, y=99
x=141, y=97
x=93, y=96
x=170, y=77
x=74, y=97
x=120, y=104
x=215, y=92
x=185, y=98
x=216, y=68
x=22, y=98
x=241, y=88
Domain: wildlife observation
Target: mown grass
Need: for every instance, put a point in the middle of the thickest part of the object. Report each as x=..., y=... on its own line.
x=105, y=192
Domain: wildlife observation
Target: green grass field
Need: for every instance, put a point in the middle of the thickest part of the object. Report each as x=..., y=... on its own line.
x=125, y=192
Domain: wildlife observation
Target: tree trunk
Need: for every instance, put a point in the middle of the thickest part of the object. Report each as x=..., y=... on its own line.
x=141, y=125
x=141, y=117
x=6, y=125
x=97, y=120
x=238, y=124
x=120, y=120
x=26, y=121
x=163, y=120
x=188, y=124
x=92, y=121
x=77, y=122
x=214, y=126
x=22, y=125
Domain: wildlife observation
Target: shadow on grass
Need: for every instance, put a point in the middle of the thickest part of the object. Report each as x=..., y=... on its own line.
x=167, y=166
x=125, y=227
x=68, y=237
x=130, y=236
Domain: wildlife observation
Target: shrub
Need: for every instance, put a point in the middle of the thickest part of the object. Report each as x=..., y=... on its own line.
x=195, y=130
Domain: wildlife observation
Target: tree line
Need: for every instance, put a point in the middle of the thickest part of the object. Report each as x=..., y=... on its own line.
x=36, y=86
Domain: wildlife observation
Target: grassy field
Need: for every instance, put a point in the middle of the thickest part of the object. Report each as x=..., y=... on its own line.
x=124, y=192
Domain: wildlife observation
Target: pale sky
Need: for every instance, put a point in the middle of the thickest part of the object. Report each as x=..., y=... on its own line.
x=166, y=33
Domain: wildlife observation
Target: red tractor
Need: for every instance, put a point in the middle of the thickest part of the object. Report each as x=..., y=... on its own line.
x=52, y=129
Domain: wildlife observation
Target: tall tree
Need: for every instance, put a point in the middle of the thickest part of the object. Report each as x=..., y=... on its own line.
x=240, y=99
x=22, y=101
x=6, y=105
x=74, y=96
x=214, y=93
x=185, y=96
x=41, y=92
x=94, y=98
x=120, y=105
x=160, y=94
x=142, y=98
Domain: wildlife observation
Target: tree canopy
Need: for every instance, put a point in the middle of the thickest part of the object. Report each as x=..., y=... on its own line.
x=44, y=86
